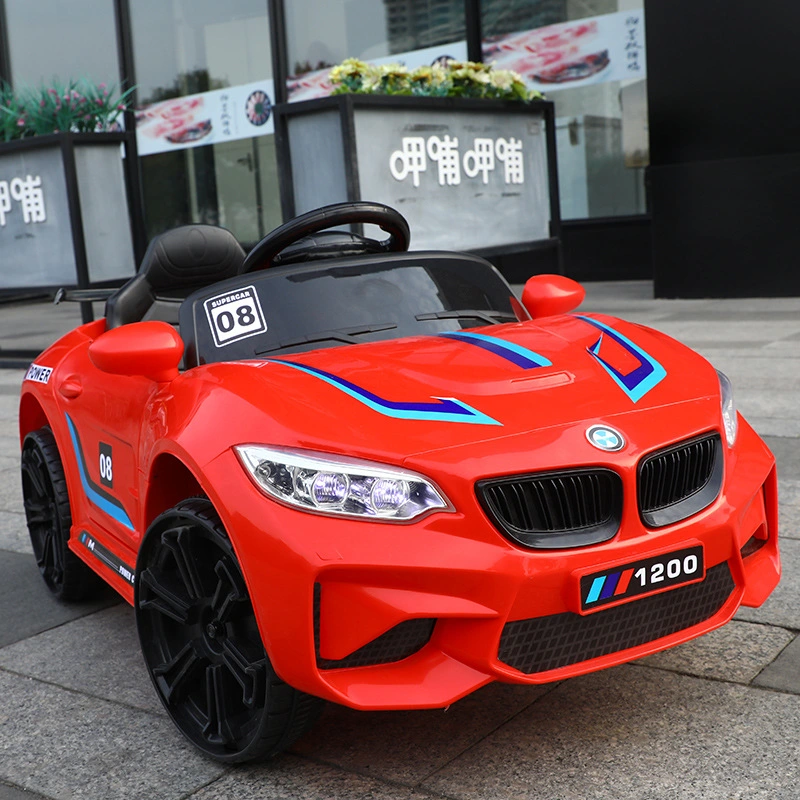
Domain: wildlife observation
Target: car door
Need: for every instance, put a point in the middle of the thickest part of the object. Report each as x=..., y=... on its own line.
x=103, y=416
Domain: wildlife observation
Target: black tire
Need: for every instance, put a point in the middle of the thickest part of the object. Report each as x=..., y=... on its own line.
x=49, y=518
x=202, y=646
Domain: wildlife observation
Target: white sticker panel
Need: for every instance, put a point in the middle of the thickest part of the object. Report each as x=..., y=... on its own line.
x=235, y=315
x=38, y=373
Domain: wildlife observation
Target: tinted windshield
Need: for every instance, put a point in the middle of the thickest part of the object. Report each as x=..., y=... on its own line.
x=326, y=304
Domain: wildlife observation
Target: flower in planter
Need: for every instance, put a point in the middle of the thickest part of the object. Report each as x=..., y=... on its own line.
x=452, y=79
x=78, y=106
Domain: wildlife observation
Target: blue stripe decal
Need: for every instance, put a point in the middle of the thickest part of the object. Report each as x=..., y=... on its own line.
x=104, y=501
x=514, y=353
x=594, y=592
x=610, y=586
x=640, y=381
x=445, y=409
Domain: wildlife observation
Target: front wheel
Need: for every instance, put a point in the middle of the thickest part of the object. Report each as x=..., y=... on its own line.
x=202, y=645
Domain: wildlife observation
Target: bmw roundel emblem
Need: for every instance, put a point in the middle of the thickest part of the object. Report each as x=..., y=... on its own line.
x=605, y=438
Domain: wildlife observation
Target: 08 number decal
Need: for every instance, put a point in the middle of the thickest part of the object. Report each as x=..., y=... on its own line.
x=235, y=315
x=106, y=465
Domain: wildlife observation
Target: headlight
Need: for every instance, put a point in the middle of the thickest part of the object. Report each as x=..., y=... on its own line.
x=729, y=417
x=340, y=485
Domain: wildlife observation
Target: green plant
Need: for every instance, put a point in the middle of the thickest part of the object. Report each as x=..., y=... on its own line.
x=13, y=118
x=80, y=106
x=452, y=79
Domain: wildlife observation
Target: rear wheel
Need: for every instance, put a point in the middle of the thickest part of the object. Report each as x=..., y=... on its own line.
x=202, y=645
x=47, y=511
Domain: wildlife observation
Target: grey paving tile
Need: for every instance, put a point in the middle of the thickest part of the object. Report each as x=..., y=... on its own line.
x=10, y=489
x=709, y=316
x=9, y=406
x=14, y=532
x=789, y=521
x=66, y=745
x=787, y=455
x=783, y=674
x=8, y=792
x=723, y=327
x=782, y=607
x=9, y=461
x=722, y=344
x=736, y=652
x=774, y=425
x=292, y=778
x=788, y=490
x=26, y=605
x=11, y=377
x=407, y=746
x=98, y=654
x=631, y=733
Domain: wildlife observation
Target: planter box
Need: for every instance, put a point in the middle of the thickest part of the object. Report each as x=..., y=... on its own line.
x=475, y=175
x=64, y=217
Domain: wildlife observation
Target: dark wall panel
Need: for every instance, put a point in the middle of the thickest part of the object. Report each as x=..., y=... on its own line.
x=616, y=249
x=722, y=78
x=727, y=228
x=724, y=147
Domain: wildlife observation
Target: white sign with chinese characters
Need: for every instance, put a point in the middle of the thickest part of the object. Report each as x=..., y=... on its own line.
x=480, y=160
x=36, y=244
x=28, y=193
x=463, y=179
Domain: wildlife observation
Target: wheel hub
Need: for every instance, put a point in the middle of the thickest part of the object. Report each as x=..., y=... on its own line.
x=214, y=629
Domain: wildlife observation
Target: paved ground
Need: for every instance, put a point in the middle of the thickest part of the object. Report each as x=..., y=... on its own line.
x=717, y=718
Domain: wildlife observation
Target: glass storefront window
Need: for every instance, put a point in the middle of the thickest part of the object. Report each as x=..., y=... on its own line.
x=55, y=40
x=587, y=56
x=322, y=33
x=209, y=53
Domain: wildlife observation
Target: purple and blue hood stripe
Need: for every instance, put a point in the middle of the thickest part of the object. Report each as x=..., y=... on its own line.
x=514, y=353
x=637, y=383
x=444, y=409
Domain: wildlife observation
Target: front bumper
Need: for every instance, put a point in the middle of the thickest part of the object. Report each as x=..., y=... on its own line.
x=388, y=616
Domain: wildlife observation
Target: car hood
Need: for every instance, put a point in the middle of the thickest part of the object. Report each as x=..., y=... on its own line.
x=393, y=399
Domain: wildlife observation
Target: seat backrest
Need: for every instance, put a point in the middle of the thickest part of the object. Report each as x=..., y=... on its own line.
x=176, y=263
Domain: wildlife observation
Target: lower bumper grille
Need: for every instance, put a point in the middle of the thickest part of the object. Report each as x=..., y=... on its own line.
x=399, y=642
x=546, y=643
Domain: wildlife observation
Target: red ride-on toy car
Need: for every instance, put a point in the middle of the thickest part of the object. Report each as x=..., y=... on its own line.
x=336, y=469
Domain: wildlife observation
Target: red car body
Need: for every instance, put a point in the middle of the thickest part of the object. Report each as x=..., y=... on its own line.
x=173, y=438
x=324, y=480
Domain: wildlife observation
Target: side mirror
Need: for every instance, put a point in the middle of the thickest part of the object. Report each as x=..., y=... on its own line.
x=546, y=295
x=150, y=349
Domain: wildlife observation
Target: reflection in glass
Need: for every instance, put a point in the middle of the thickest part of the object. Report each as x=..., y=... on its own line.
x=50, y=40
x=188, y=47
x=588, y=59
x=321, y=33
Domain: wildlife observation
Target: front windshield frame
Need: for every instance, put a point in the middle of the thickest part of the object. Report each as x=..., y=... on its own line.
x=337, y=302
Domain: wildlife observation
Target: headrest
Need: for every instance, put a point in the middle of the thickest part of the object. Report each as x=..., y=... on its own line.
x=192, y=255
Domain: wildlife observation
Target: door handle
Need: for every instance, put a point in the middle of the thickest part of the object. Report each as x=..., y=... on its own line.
x=71, y=387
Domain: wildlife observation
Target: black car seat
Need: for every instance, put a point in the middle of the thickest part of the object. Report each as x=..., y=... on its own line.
x=176, y=263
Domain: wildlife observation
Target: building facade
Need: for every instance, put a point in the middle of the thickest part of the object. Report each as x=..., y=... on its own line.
x=586, y=55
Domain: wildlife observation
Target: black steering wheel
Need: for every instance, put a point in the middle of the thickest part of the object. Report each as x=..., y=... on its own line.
x=391, y=221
